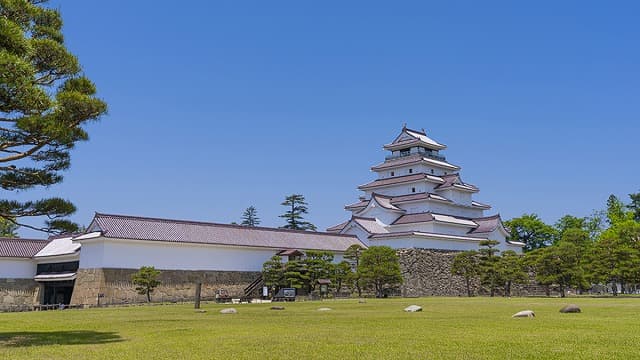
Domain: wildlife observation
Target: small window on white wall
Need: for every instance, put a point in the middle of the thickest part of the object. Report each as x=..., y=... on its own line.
x=392, y=173
x=432, y=171
x=413, y=189
x=410, y=171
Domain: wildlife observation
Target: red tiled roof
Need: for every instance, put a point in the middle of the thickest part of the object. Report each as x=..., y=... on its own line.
x=154, y=229
x=412, y=159
x=401, y=180
x=413, y=218
x=357, y=205
x=418, y=196
x=21, y=248
x=385, y=202
x=370, y=225
x=451, y=180
x=486, y=224
x=337, y=228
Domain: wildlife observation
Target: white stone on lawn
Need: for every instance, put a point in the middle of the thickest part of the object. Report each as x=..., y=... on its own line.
x=413, y=308
x=324, y=309
x=524, y=313
x=228, y=311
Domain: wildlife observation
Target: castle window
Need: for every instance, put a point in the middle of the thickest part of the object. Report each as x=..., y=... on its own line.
x=392, y=173
x=432, y=171
x=410, y=171
x=413, y=189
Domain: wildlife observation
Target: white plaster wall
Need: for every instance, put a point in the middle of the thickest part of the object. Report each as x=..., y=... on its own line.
x=441, y=208
x=132, y=254
x=425, y=243
x=403, y=189
x=420, y=227
x=415, y=242
x=15, y=268
x=357, y=231
x=384, y=216
x=91, y=255
x=442, y=228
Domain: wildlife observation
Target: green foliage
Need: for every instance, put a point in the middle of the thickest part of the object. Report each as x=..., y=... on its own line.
x=615, y=210
x=341, y=273
x=352, y=255
x=319, y=265
x=531, y=230
x=297, y=207
x=146, y=280
x=380, y=269
x=466, y=264
x=510, y=270
x=250, y=217
x=296, y=274
x=615, y=257
x=273, y=273
x=489, y=273
x=634, y=206
x=560, y=264
x=44, y=103
x=8, y=228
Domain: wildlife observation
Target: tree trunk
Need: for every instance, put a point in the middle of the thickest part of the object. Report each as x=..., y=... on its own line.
x=148, y=295
x=467, y=280
x=562, y=290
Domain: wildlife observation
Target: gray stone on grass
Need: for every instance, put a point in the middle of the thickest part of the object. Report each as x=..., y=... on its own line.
x=277, y=308
x=324, y=309
x=524, y=313
x=571, y=308
x=229, y=311
x=201, y=311
x=413, y=308
x=362, y=301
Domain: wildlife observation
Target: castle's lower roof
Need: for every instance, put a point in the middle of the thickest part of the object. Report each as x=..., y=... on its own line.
x=21, y=248
x=181, y=231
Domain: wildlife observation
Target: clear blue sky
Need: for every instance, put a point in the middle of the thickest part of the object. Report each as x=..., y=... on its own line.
x=216, y=106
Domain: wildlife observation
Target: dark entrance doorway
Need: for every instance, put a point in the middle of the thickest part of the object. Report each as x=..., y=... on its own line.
x=57, y=281
x=57, y=292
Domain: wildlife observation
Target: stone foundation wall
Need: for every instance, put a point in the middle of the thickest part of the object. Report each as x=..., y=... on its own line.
x=427, y=272
x=18, y=293
x=176, y=285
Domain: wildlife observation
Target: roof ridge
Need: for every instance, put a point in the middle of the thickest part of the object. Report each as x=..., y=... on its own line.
x=362, y=218
x=2, y=238
x=488, y=217
x=204, y=223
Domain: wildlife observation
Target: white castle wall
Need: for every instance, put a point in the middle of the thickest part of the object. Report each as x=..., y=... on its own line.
x=16, y=268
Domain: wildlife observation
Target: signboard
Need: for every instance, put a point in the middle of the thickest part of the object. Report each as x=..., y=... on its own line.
x=289, y=292
x=265, y=291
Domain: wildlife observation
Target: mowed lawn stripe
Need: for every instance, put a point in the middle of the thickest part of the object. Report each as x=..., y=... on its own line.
x=447, y=328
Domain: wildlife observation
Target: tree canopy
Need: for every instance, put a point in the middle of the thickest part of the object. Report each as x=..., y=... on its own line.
x=250, y=217
x=296, y=208
x=531, y=230
x=146, y=280
x=45, y=101
x=380, y=269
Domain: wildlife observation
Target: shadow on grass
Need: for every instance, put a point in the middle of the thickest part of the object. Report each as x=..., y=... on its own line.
x=36, y=338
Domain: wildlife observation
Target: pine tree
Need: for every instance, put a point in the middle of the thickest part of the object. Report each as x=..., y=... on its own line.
x=489, y=275
x=250, y=217
x=380, y=269
x=147, y=280
x=44, y=102
x=296, y=208
x=465, y=264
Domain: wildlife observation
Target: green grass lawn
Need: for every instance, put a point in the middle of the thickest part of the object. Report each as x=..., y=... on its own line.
x=448, y=328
